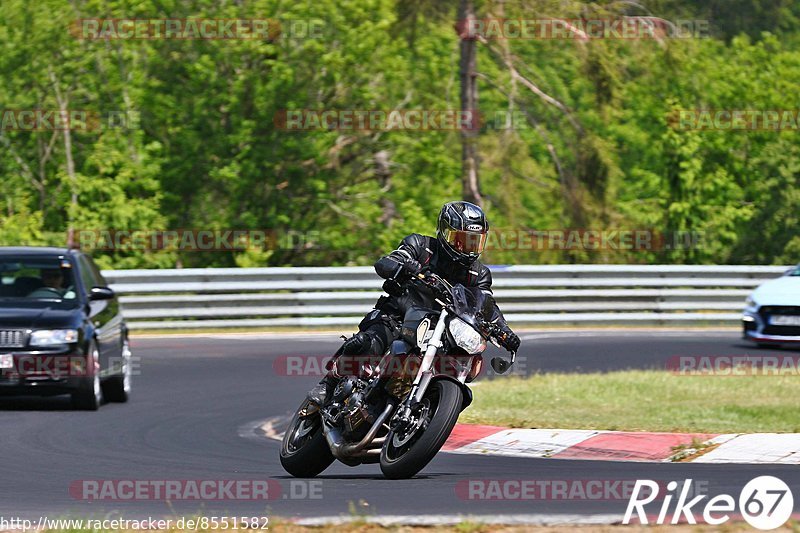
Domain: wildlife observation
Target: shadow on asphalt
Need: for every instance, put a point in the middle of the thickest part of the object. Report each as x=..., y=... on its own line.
x=373, y=477
x=36, y=403
x=782, y=348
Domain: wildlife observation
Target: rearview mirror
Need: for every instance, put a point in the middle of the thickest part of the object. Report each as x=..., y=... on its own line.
x=500, y=365
x=101, y=293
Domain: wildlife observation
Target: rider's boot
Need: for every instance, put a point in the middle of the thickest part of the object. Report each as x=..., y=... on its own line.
x=360, y=343
x=322, y=390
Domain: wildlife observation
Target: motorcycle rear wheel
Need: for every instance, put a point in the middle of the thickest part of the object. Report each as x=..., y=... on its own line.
x=404, y=454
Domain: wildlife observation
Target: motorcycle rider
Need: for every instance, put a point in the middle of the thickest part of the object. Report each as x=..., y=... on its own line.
x=453, y=254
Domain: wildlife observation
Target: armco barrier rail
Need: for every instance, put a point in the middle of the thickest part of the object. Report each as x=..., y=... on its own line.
x=328, y=296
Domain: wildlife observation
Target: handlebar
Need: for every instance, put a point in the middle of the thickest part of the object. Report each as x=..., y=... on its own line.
x=432, y=280
x=491, y=330
x=435, y=282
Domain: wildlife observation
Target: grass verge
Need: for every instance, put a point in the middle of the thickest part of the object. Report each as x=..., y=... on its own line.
x=640, y=401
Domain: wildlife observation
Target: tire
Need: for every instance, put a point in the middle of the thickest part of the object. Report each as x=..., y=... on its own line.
x=406, y=460
x=89, y=395
x=118, y=388
x=313, y=455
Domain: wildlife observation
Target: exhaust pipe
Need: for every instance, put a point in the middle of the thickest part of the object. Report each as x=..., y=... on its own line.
x=341, y=449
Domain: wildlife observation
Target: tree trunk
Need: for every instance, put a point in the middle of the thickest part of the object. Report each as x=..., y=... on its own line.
x=470, y=181
x=383, y=173
x=63, y=107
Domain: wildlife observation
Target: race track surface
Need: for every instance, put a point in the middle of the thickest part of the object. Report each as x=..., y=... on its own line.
x=195, y=395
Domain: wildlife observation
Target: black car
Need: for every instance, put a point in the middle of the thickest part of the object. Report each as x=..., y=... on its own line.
x=61, y=329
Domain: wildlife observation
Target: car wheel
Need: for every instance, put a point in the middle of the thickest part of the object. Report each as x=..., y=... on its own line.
x=89, y=395
x=118, y=387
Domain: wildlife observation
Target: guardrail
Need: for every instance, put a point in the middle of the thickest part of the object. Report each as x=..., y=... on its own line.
x=334, y=296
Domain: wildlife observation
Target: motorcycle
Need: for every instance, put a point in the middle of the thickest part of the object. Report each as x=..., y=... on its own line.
x=399, y=408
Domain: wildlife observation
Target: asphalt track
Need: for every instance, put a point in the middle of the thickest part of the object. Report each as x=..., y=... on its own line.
x=195, y=397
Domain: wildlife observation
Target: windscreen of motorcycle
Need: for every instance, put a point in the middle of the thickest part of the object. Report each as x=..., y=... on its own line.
x=469, y=301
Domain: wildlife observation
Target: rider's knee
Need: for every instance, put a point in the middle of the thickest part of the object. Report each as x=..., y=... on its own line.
x=367, y=342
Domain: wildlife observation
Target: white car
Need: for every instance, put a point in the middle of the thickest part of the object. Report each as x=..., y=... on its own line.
x=772, y=315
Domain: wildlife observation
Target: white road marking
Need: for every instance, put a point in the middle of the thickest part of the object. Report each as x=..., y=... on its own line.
x=527, y=442
x=762, y=448
x=264, y=428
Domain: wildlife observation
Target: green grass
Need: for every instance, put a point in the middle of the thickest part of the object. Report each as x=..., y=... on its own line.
x=640, y=401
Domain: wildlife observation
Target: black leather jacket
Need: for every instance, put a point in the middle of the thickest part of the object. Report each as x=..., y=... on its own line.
x=426, y=250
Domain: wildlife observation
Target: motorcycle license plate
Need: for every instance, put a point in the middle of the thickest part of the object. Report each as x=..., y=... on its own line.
x=785, y=320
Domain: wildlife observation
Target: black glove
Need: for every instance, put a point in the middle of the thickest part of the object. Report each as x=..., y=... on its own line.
x=393, y=288
x=510, y=341
x=410, y=268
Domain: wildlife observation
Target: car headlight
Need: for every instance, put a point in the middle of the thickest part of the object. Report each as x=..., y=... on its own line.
x=50, y=337
x=749, y=302
x=466, y=337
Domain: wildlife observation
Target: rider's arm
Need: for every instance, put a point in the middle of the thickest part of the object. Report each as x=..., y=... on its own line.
x=485, y=285
x=406, y=256
x=495, y=315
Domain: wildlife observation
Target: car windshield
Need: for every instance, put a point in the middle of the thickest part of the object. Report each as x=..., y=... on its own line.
x=796, y=271
x=36, y=279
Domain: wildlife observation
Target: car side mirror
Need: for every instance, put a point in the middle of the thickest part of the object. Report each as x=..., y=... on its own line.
x=101, y=293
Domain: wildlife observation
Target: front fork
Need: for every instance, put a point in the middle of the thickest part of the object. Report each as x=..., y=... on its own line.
x=424, y=374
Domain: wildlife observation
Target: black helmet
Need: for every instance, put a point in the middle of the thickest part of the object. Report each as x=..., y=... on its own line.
x=462, y=231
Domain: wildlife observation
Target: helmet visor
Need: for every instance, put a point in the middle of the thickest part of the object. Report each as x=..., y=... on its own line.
x=466, y=242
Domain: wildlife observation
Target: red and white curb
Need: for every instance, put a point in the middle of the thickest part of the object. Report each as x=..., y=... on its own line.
x=748, y=448
x=772, y=448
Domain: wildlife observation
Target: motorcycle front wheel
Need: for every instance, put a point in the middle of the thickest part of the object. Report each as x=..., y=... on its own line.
x=408, y=450
x=304, y=450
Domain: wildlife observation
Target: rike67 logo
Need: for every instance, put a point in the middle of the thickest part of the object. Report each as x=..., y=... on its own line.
x=765, y=502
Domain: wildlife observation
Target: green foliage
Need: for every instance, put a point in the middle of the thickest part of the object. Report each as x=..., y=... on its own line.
x=201, y=148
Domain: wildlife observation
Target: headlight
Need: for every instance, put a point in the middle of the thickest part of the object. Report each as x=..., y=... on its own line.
x=750, y=302
x=466, y=337
x=50, y=337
